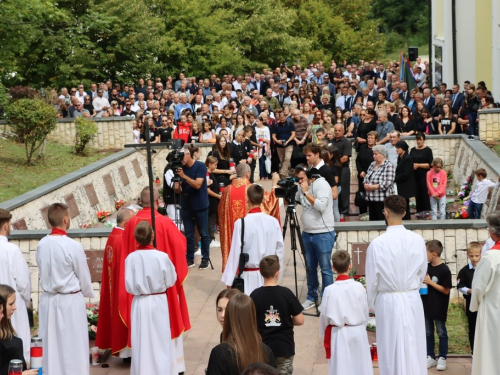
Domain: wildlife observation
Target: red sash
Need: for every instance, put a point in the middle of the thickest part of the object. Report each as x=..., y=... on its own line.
x=255, y=210
x=342, y=277
x=496, y=246
x=146, y=247
x=58, y=231
x=328, y=331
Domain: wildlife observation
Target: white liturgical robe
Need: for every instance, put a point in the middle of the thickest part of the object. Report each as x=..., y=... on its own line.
x=262, y=237
x=148, y=274
x=396, y=265
x=344, y=305
x=484, y=299
x=14, y=272
x=65, y=281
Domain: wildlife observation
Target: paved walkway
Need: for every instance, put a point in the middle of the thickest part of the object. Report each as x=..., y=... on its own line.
x=202, y=287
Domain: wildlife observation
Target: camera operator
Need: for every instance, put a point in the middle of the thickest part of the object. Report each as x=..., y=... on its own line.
x=194, y=204
x=315, y=196
x=315, y=160
x=170, y=197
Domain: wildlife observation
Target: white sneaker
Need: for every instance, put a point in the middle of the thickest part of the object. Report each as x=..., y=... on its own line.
x=197, y=252
x=431, y=362
x=307, y=304
x=441, y=364
x=214, y=243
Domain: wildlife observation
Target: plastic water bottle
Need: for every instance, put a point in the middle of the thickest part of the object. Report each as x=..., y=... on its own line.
x=424, y=289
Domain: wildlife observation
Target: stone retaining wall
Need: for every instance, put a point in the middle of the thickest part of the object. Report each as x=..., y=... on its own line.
x=489, y=125
x=86, y=191
x=112, y=132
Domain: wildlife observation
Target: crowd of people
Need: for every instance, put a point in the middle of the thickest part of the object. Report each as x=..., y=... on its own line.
x=292, y=122
x=265, y=119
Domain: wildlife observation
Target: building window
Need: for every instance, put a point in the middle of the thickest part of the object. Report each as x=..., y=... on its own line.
x=438, y=65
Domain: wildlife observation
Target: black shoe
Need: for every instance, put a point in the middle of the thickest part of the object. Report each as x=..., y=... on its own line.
x=471, y=137
x=190, y=263
x=203, y=264
x=127, y=360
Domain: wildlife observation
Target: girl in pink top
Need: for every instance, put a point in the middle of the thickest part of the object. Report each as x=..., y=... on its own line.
x=436, y=185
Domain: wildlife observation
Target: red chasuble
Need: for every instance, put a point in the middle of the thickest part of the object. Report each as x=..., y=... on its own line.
x=171, y=241
x=112, y=333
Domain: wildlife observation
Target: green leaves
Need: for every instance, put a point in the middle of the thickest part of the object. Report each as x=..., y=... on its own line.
x=32, y=120
x=86, y=129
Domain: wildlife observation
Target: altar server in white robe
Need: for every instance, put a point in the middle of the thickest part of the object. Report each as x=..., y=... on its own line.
x=65, y=282
x=262, y=236
x=485, y=295
x=396, y=265
x=342, y=323
x=14, y=272
x=148, y=275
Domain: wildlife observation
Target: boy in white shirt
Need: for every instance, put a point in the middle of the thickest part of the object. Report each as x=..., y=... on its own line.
x=344, y=315
x=480, y=193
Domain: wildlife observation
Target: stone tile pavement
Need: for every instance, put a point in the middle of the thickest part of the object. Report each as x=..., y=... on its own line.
x=202, y=287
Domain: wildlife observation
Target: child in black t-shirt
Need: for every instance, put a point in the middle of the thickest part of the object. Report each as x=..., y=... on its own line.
x=277, y=311
x=435, y=303
x=464, y=284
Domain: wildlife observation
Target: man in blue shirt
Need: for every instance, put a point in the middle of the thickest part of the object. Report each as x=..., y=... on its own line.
x=182, y=105
x=194, y=204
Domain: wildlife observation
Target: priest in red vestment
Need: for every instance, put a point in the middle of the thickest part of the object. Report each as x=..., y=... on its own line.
x=171, y=241
x=112, y=333
x=232, y=206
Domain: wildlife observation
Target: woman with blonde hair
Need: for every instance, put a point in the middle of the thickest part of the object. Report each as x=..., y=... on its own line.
x=241, y=343
x=11, y=346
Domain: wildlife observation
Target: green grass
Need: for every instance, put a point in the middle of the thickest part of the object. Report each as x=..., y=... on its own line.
x=496, y=149
x=457, y=327
x=17, y=178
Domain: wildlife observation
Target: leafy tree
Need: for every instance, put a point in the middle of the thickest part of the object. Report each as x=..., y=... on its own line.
x=34, y=119
x=404, y=17
x=86, y=129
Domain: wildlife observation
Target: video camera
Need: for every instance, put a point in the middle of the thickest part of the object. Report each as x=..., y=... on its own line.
x=287, y=190
x=176, y=156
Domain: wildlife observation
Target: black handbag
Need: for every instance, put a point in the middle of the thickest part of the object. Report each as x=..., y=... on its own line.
x=360, y=199
x=238, y=282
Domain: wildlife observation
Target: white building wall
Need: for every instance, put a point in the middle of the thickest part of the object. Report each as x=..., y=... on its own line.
x=495, y=85
x=466, y=40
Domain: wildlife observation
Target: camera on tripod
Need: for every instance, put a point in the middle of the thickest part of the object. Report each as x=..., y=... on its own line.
x=287, y=190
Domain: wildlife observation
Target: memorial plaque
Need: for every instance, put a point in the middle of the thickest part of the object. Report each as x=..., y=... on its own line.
x=89, y=189
x=94, y=261
x=73, y=207
x=359, y=257
x=137, y=168
x=20, y=225
x=123, y=175
x=108, y=182
x=45, y=214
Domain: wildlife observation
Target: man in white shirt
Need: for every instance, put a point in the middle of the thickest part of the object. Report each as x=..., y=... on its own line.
x=100, y=103
x=14, y=272
x=479, y=194
x=80, y=94
x=65, y=282
x=262, y=236
x=342, y=100
x=396, y=264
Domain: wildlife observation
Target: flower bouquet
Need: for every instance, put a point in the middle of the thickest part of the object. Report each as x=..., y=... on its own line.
x=424, y=215
x=92, y=316
x=119, y=204
x=465, y=189
x=86, y=225
x=462, y=213
x=101, y=215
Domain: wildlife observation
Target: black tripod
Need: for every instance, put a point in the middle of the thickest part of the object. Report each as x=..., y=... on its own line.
x=291, y=216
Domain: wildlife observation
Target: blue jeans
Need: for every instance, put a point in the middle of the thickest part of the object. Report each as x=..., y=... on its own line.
x=200, y=218
x=472, y=122
x=474, y=210
x=442, y=334
x=318, y=249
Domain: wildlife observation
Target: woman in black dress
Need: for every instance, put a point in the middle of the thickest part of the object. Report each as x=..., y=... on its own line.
x=407, y=124
x=11, y=346
x=363, y=161
x=166, y=129
x=405, y=178
x=241, y=343
x=366, y=125
x=222, y=152
x=422, y=161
